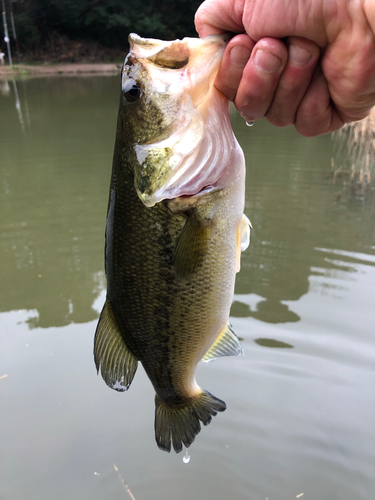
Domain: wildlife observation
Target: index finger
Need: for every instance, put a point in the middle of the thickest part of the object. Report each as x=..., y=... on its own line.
x=235, y=58
x=214, y=17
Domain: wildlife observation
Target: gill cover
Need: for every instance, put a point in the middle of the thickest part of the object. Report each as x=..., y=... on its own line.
x=185, y=140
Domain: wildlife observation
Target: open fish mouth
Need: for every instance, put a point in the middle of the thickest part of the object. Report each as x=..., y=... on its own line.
x=193, y=152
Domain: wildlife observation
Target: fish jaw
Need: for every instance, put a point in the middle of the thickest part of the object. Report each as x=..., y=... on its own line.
x=179, y=66
x=194, y=141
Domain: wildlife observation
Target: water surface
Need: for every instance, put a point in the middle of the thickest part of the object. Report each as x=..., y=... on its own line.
x=301, y=403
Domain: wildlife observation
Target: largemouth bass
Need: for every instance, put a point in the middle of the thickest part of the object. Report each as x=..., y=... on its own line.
x=175, y=228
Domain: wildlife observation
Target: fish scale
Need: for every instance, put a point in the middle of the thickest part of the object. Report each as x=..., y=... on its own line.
x=170, y=263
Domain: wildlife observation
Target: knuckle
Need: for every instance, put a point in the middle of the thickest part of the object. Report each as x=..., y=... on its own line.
x=201, y=17
x=281, y=116
x=226, y=89
x=308, y=131
x=250, y=113
x=309, y=126
x=279, y=120
x=251, y=106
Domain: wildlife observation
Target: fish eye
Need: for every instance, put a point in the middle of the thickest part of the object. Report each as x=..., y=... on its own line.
x=132, y=91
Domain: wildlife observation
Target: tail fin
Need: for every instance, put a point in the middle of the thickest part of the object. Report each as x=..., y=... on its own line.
x=181, y=423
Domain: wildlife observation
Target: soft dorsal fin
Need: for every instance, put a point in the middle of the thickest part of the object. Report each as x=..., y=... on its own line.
x=227, y=344
x=111, y=354
x=191, y=246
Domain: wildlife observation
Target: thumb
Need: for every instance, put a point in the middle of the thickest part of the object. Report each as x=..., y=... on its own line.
x=218, y=16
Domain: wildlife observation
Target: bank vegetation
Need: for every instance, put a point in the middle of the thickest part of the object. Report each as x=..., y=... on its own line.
x=91, y=31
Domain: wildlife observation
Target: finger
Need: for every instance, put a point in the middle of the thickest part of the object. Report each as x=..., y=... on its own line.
x=235, y=58
x=218, y=16
x=316, y=114
x=260, y=77
x=350, y=71
x=303, y=55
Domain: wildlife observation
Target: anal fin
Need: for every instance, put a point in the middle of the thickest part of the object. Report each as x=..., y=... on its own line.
x=111, y=354
x=226, y=344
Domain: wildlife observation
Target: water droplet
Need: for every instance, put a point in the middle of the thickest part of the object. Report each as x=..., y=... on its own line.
x=250, y=123
x=186, y=458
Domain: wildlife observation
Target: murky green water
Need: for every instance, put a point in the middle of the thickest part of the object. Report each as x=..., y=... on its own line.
x=301, y=403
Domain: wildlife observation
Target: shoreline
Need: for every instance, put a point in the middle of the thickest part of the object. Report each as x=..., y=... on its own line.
x=58, y=69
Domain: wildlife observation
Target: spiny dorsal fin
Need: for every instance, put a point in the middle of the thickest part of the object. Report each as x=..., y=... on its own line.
x=179, y=424
x=111, y=354
x=191, y=246
x=227, y=344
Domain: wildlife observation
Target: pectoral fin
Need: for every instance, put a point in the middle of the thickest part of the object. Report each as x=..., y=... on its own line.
x=243, y=239
x=227, y=344
x=246, y=226
x=111, y=354
x=191, y=246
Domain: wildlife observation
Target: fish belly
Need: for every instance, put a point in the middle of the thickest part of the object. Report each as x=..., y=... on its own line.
x=167, y=319
x=169, y=325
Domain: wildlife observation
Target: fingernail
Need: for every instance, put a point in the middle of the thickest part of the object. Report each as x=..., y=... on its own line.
x=298, y=55
x=267, y=62
x=239, y=55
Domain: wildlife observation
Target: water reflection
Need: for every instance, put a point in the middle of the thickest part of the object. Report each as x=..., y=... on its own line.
x=53, y=195
x=353, y=162
x=294, y=209
x=18, y=105
x=54, y=182
x=299, y=418
x=265, y=310
x=5, y=91
x=4, y=88
x=273, y=343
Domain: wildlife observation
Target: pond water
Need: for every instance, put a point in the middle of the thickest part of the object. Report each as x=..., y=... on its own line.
x=300, y=404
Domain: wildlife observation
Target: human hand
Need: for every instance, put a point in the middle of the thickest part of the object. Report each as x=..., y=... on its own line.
x=316, y=98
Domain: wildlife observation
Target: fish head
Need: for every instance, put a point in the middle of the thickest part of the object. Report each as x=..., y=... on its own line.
x=164, y=108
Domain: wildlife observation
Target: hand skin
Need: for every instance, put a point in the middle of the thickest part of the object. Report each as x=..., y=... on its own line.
x=319, y=77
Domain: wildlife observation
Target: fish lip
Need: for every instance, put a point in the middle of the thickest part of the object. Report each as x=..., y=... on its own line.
x=134, y=39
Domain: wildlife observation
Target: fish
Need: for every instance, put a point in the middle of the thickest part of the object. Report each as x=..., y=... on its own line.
x=174, y=233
